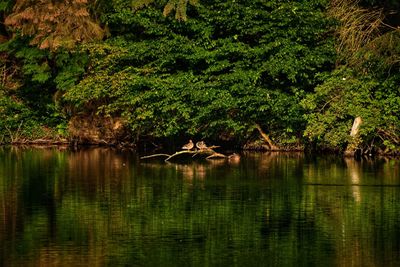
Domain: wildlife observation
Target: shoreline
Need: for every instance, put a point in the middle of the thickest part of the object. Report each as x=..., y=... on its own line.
x=64, y=143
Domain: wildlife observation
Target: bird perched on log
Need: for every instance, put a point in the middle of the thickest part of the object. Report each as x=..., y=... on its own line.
x=188, y=146
x=201, y=145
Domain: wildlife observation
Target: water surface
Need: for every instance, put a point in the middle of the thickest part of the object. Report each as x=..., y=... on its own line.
x=100, y=207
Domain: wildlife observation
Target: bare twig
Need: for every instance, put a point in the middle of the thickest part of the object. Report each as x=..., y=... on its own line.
x=392, y=136
x=329, y=101
x=18, y=131
x=10, y=133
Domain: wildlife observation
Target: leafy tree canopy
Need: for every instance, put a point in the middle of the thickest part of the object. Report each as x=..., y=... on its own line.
x=233, y=64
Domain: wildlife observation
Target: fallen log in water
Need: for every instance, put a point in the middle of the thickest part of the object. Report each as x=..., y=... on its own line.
x=189, y=152
x=155, y=156
x=206, y=153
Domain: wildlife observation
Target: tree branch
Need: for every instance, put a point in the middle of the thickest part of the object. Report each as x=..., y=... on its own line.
x=155, y=156
x=266, y=138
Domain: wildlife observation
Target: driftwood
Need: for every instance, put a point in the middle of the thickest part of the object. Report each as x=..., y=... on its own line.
x=156, y=156
x=208, y=153
x=180, y=153
x=216, y=156
x=44, y=142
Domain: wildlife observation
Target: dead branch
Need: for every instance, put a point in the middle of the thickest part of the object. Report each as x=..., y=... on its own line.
x=184, y=152
x=216, y=155
x=355, y=137
x=266, y=138
x=208, y=153
x=383, y=134
x=155, y=156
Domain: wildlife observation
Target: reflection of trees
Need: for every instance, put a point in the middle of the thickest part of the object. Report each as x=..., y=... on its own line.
x=352, y=204
x=355, y=177
x=99, y=207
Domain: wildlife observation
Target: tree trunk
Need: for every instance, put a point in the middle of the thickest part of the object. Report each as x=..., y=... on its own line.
x=355, y=138
x=266, y=138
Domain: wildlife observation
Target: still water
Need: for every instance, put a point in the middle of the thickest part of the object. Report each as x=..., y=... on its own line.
x=101, y=207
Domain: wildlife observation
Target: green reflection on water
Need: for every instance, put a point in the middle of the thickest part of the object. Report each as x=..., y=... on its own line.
x=100, y=207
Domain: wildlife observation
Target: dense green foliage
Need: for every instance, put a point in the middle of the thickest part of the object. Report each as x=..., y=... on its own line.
x=32, y=82
x=231, y=65
x=213, y=69
x=345, y=96
x=365, y=85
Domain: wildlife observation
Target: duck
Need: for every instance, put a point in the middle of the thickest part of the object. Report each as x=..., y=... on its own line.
x=234, y=158
x=201, y=145
x=188, y=146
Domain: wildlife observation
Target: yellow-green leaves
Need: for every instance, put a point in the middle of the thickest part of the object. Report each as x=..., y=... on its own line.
x=54, y=24
x=177, y=6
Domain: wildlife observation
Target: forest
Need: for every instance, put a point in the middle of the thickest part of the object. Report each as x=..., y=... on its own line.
x=271, y=74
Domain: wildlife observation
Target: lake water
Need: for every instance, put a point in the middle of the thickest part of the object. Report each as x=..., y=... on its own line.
x=99, y=207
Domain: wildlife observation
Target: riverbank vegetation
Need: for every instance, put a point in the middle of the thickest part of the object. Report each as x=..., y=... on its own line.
x=292, y=74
